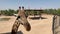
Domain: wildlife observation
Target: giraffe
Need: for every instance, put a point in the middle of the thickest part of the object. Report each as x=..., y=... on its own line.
x=21, y=19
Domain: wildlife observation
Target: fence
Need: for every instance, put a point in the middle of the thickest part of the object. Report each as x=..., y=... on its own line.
x=56, y=24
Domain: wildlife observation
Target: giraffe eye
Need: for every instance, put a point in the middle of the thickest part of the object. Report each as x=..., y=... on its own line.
x=18, y=17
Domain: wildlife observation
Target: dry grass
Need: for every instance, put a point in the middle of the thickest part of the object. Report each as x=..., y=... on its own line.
x=38, y=26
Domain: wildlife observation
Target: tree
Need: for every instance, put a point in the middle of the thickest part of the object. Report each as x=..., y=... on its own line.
x=58, y=12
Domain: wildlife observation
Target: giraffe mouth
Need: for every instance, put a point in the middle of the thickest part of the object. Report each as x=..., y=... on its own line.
x=27, y=26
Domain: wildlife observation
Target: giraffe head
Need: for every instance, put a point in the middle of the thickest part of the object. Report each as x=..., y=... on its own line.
x=23, y=19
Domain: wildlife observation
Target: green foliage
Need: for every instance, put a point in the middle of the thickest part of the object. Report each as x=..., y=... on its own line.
x=11, y=12
x=52, y=11
x=16, y=12
x=58, y=11
x=38, y=12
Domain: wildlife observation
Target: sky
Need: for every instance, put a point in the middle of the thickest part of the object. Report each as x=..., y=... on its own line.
x=33, y=4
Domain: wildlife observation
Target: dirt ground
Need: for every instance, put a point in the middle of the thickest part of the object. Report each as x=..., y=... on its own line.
x=38, y=26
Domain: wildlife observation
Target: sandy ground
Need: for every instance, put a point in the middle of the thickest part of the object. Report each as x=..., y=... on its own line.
x=38, y=26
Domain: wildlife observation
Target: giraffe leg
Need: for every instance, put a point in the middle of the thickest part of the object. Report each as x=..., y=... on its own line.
x=15, y=27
